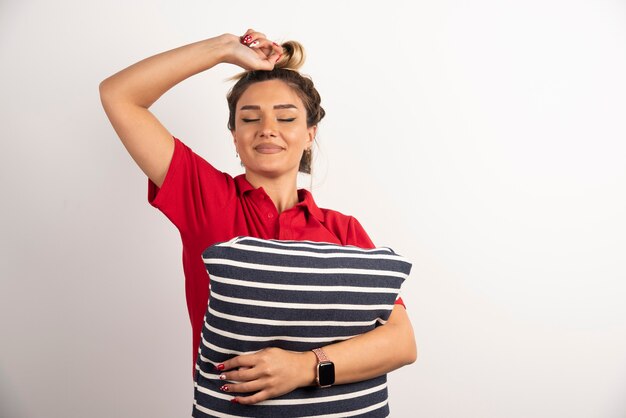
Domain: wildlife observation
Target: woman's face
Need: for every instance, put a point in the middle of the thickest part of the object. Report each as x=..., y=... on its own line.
x=270, y=132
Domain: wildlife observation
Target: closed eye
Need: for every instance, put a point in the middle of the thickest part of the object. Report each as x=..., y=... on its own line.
x=247, y=120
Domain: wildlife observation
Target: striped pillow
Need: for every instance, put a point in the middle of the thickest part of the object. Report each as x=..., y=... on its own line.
x=294, y=295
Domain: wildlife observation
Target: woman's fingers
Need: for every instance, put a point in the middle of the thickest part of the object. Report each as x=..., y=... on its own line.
x=243, y=374
x=277, y=52
x=271, y=372
x=258, y=41
x=243, y=360
x=243, y=387
x=252, y=399
x=250, y=36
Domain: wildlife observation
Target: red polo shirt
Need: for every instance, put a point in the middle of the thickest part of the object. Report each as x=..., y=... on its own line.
x=209, y=206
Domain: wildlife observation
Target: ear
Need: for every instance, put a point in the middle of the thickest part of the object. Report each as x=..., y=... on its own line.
x=234, y=138
x=312, y=131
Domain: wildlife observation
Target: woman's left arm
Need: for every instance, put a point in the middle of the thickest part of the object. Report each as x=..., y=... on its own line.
x=273, y=372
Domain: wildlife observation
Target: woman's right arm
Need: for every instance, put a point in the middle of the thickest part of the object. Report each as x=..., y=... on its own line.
x=127, y=95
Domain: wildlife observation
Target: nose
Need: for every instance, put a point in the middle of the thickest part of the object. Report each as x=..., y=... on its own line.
x=267, y=128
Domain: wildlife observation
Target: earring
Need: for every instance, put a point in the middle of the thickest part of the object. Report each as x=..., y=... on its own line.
x=236, y=155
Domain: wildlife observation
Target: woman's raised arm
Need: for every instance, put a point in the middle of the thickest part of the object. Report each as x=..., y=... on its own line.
x=127, y=95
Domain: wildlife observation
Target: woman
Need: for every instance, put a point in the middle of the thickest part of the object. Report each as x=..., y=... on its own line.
x=274, y=113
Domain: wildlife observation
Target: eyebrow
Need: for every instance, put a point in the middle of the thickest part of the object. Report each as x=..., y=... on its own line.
x=278, y=106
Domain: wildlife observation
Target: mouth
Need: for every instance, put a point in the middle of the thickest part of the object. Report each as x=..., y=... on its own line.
x=268, y=149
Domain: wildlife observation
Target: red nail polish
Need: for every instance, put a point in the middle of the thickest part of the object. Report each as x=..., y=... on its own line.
x=219, y=367
x=224, y=388
x=234, y=400
x=246, y=39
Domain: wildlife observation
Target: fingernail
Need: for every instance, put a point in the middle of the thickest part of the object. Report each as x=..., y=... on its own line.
x=219, y=367
x=275, y=44
x=246, y=39
x=253, y=44
x=224, y=388
x=234, y=400
x=222, y=377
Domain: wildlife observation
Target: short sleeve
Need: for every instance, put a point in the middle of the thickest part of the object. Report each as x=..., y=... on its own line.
x=193, y=191
x=357, y=236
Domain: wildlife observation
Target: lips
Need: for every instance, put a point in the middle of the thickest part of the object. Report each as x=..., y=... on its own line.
x=268, y=149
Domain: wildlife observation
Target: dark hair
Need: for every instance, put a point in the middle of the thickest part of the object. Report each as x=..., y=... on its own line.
x=285, y=70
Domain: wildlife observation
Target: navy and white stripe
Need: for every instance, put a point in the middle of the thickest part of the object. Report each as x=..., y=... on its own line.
x=294, y=295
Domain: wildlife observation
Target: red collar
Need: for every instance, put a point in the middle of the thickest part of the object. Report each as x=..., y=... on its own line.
x=305, y=198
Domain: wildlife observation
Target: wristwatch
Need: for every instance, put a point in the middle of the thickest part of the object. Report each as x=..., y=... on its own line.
x=325, y=369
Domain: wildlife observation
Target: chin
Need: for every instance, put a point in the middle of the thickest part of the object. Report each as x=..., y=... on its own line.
x=270, y=170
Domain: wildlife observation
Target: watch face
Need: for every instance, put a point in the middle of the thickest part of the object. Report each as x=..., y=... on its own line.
x=326, y=372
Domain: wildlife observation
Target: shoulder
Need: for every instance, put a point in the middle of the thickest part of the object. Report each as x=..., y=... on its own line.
x=336, y=216
x=198, y=166
x=350, y=229
x=194, y=192
x=345, y=227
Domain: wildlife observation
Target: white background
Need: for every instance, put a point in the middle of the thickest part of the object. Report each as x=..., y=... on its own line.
x=483, y=140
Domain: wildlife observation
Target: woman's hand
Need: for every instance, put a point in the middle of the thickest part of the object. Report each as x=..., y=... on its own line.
x=252, y=51
x=270, y=373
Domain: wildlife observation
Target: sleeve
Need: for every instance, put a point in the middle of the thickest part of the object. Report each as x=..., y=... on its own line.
x=357, y=236
x=193, y=190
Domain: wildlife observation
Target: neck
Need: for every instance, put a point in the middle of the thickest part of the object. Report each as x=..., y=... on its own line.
x=282, y=190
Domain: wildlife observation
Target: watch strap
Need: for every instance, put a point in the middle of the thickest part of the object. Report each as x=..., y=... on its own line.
x=321, y=356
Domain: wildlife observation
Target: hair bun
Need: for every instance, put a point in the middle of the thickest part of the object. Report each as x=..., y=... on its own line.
x=293, y=56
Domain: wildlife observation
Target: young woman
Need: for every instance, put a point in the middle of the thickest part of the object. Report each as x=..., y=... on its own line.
x=274, y=112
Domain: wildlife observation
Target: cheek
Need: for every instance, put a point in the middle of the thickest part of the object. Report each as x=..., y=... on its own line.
x=241, y=133
x=297, y=140
x=299, y=133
